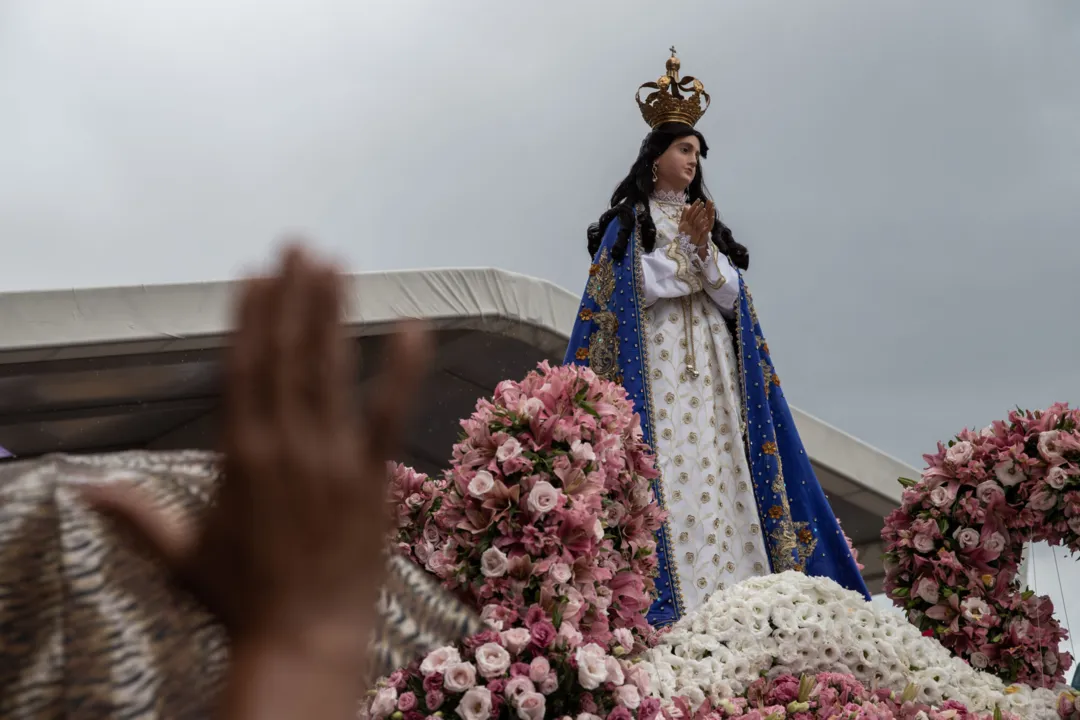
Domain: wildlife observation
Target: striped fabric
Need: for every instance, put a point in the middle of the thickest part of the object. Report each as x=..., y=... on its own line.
x=90, y=628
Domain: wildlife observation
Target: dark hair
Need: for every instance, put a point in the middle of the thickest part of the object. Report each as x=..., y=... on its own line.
x=638, y=185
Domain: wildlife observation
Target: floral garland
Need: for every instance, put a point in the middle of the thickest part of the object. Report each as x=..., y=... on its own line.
x=954, y=547
x=790, y=625
x=548, y=503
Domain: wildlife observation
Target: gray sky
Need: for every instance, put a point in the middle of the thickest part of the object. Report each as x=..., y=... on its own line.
x=905, y=172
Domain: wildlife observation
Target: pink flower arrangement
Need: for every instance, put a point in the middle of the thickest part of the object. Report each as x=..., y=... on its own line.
x=829, y=696
x=953, y=548
x=519, y=673
x=547, y=504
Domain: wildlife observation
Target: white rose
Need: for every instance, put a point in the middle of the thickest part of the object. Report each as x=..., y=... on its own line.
x=995, y=543
x=481, y=484
x=531, y=706
x=560, y=573
x=438, y=660
x=592, y=668
x=460, y=677
x=508, y=450
x=492, y=659
x=494, y=563
x=960, y=453
x=543, y=498
x=476, y=705
x=1008, y=474
x=385, y=703
x=598, y=530
x=582, y=451
x=516, y=639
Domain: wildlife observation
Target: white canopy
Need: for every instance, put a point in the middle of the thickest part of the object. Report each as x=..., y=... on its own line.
x=111, y=368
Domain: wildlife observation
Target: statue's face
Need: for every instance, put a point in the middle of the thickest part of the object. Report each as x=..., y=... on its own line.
x=677, y=167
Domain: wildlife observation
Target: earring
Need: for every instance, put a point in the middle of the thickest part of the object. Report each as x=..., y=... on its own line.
x=655, y=177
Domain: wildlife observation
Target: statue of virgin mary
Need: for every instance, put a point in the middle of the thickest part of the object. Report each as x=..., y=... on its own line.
x=666, y=313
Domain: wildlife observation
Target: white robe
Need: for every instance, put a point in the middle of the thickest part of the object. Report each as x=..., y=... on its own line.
x=716, y=534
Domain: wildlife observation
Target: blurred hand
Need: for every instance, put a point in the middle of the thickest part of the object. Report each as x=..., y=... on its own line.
x=291, y=548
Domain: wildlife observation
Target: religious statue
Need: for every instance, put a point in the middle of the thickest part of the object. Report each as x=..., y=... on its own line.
x=667, y=314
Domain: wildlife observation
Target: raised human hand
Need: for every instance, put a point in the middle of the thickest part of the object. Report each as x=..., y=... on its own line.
x=291, y=548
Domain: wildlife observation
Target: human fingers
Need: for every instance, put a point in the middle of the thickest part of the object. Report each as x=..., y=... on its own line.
x=291, y=357
x=406, y=362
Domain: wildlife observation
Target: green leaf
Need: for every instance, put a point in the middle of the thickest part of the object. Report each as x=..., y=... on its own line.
x=907, y=482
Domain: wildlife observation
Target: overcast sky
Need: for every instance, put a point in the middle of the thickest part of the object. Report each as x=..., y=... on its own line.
x=906, y=173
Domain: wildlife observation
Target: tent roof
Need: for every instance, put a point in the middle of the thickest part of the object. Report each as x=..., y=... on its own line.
x=109, y=368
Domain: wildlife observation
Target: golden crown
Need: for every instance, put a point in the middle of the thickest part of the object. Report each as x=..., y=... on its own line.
x=672, y=99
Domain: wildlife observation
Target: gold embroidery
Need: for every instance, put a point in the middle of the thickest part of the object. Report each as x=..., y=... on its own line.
x=674, y=252
x=604, y=345
x=585, y=314
x=601, y=285
x=769, y=448
x=714, y=256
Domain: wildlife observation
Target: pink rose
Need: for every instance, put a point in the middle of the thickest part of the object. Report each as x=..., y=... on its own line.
x=532, y=408
x=1048, y=446
x=550, y=684
x=531, y=706
x=620, y=713
x=493, y=660
x=434, y=700
x=433, y=682
x=628, y=696
x=639, y=677
x=539, y=669
x=928, y=590
x=543, y=634
x=960, y=453
x=989, y=491
x=494, y=563
x=516, y=639
x=476, y=705
x=979, y=660
x=1057, y=477
x=995, y=543
x=941, y=497
x=570, y=635
x=968, y=538
x=508, y=450
x=481, y=484
x=439, y=660
x=384, y=704
x=560, y=573
x=574, y=603
x=517, y=687
x=460, y=677
x=497, y=616
x=543, y=498
x=615, y=671
x=923, y=543
x=650, y=709
x=1043, y=499
x=407, y=702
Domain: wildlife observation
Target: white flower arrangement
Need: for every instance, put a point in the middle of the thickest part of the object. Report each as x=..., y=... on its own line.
x=790, y=623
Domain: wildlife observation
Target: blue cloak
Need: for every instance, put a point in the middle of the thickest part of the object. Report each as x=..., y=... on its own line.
x=799, y=528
